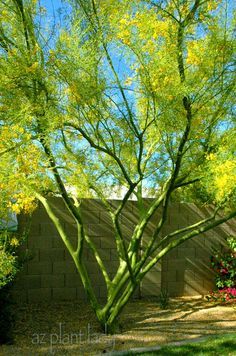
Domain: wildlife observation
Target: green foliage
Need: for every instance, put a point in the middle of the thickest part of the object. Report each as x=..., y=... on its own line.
x=129, y=94
x=223, y=295
x=164, y=299
x=9, y=264
x=6, y=315
x=224, y=266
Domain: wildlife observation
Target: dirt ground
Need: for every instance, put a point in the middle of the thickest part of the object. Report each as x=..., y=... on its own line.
x=71, y=328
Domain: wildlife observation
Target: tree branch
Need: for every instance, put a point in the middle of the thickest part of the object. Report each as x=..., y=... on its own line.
x=184, y=238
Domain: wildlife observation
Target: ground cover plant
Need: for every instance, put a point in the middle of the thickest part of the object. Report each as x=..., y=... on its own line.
x=131, y=94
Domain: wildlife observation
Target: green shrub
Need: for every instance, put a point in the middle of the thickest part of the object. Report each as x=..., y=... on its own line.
x=163, y=299
x=224, y=265
x=9, y=266
x=6, y=315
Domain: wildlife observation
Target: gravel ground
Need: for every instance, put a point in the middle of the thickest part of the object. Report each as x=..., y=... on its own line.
x=71, y=328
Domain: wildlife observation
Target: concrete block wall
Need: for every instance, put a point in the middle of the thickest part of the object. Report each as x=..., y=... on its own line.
x=51, y=275
x=186, y=270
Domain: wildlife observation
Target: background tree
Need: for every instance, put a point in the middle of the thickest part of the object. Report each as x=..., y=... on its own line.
x=131, y=93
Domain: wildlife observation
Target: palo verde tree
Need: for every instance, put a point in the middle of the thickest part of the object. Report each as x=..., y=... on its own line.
x=137, y=94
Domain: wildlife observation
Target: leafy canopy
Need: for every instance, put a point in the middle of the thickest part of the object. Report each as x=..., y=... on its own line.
x=134, y=94
x=106, y=94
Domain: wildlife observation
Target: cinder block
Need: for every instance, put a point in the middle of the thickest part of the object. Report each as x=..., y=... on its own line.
x=164, y=264
x=204, y=273
x=208, y=285
x=129, y=207
x=150, y=289
x=60, y=294
x=193, y=288
x=153, y=277
x=103, y=253
x=39, y=214
x=173, y=254
x=70, y=229
x=53, y=254
x=157, y=267
x=203, y=253
x=183, y=221
x=68, y=257
x=65, y=217
x=100, y=230
x=48, y=229
x=52, y=281
x=112, y=266
x=92, y=204
x=73, y=280
x=95, y=240
x=185, y=276
x=105, y=218
x=28, y=282
x=19, y=296
x=190, y=262
x=80, y=293
x=62, y=267
x=103, y=292
x=185, y=252
x=39, y=268
x=96, y=279
x=192, y=211
x=149, y=230
x=107, y=241
x=57, y=242
x=36, y=241
x=32, y=254
x=175, y=289
x=114, y=254
x=170, y=276
x=90, y=216
x=39, y=295
x=192, y=243
x=130, y=218
x=167, y=229
x=197, y=264
x=178, y=264
x=127, y=231
x=114, y=203
x=23, y=271
x=35, y=227
x=57, y=203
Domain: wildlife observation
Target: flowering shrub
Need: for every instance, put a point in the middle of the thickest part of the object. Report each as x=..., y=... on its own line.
x=8, y=260
x=223, y=295
x=10, y=264
x=224, y=265
x=8, y=269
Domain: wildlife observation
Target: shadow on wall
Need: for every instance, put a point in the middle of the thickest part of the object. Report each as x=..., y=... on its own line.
x=51, y=274
x=186, y=270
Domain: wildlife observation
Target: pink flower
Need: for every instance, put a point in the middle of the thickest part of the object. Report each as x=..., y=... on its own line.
x=224, y=270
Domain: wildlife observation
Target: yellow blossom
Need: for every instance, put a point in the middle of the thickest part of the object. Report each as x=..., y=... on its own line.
x=14, y=242
x=33, y=67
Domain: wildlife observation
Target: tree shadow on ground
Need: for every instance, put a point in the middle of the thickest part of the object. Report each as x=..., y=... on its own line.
x=152, y=310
